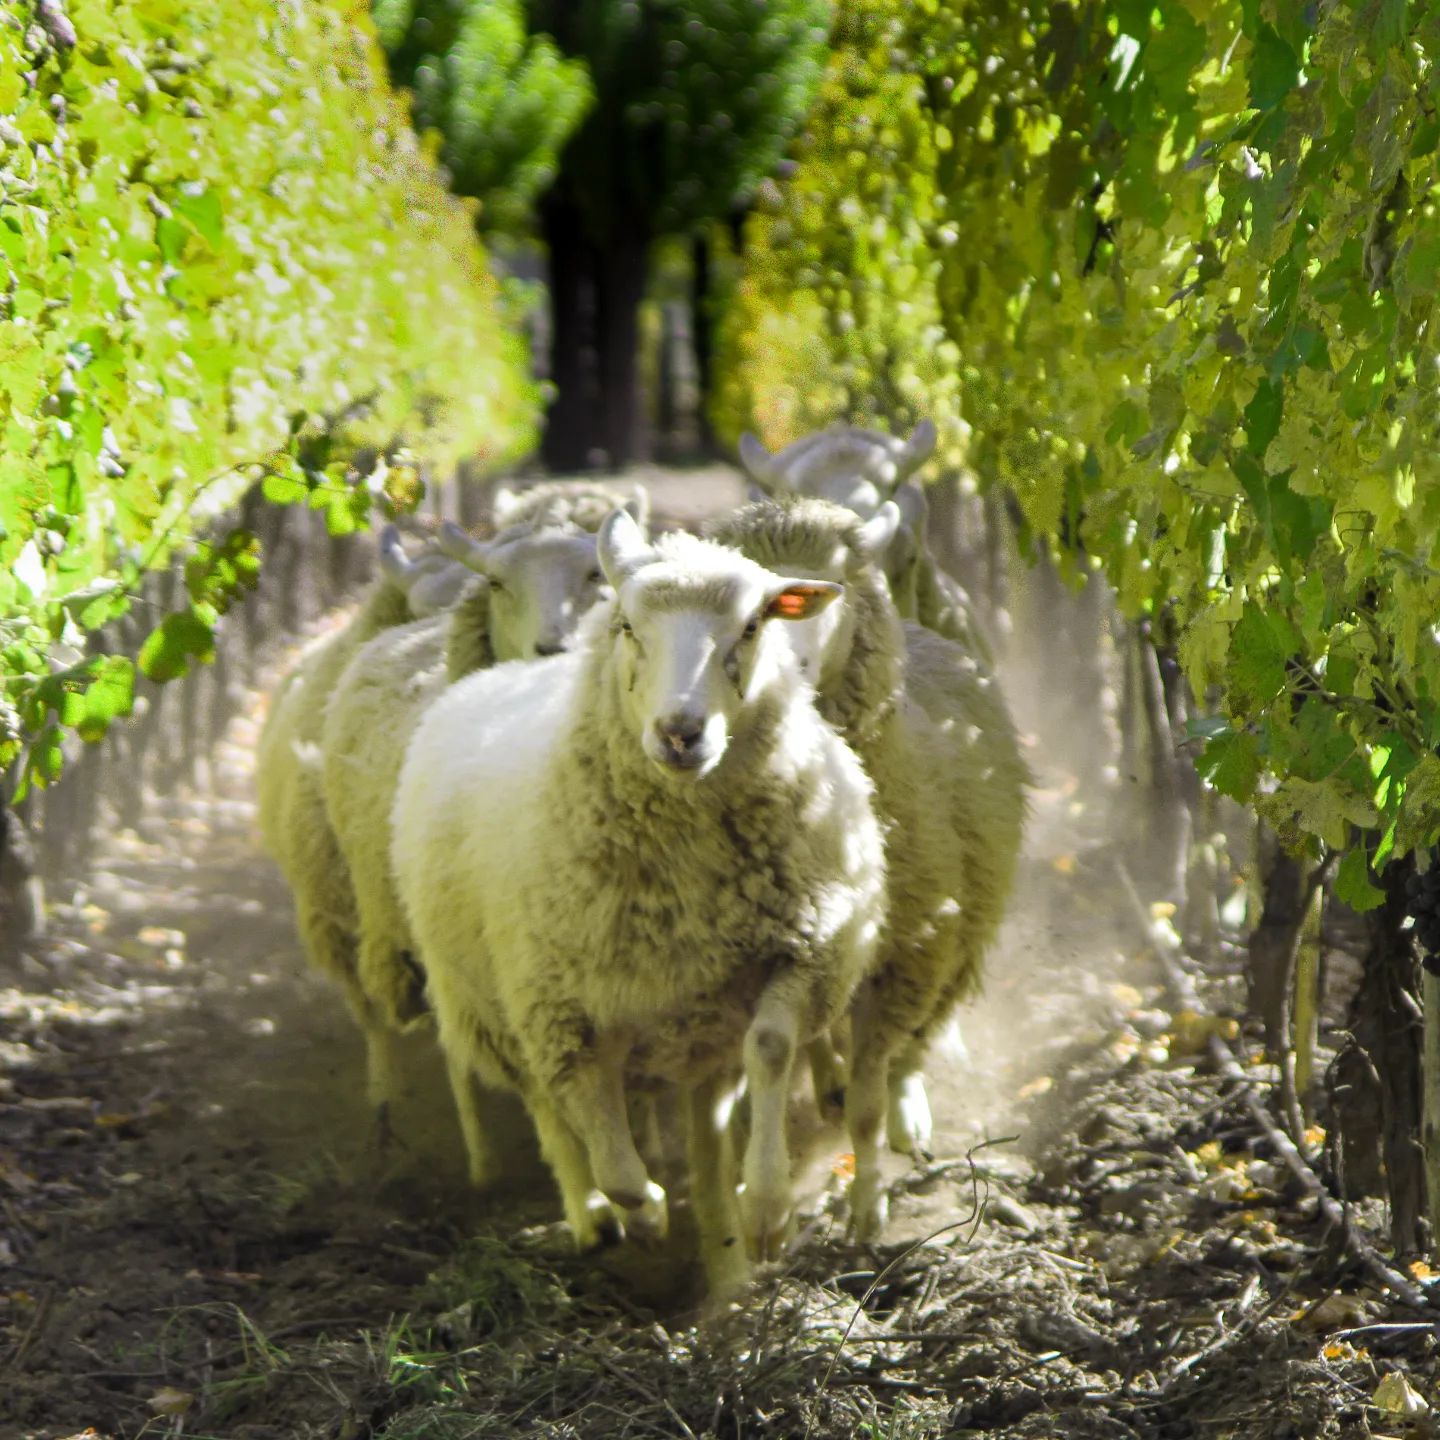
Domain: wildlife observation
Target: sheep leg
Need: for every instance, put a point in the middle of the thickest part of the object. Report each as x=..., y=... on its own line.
x=593, y=1101
x=827, y=1074
x=479, y=1154
x=864, y=1115
x=712, y=1188
x=382, y=1072
x=771, y=1045
x=590, y=1216
x=332, y=949
x=908, y=1123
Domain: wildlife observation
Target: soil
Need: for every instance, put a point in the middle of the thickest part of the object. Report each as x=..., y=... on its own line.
x=201, y=1235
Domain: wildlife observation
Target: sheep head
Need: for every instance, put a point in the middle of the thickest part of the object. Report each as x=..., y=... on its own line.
x=431, y=582
x=542, y=583
x=691, y=640
x=853, y=653
x=859, y=469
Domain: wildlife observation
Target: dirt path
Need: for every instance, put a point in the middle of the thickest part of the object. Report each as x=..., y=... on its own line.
x=197, y=1237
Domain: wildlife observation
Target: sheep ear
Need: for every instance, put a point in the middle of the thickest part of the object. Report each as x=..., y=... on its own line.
x=502, y=505
x=622, y=547
x=759, y=463
x=918, y=448
x=638, y=506
x=455, y=543
x=800, y=599
x=874, y=537
x=914, y=509
x=395, y=565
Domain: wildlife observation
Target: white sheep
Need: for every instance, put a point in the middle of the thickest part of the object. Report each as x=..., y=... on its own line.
x=533, y=584
x=932, y=729
x=643, y=862
x=861, y=470
x=291, y=801
x=585, y=503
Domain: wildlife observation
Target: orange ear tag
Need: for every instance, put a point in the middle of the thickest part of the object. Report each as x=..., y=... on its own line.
x=792, y=604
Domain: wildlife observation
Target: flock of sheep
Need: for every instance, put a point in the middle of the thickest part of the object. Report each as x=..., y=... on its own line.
x=626, y=814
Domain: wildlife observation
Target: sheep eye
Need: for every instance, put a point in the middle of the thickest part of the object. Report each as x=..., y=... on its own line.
x=497, y=585
x=752, y=628
x=625, y=627
x=596, y=577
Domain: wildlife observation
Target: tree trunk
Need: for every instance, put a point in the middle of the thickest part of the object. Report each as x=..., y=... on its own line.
x=1274, y=941
x=702, y=331
x=620, y=288
x=1387, y=1024
x=570, y=434
x=1431, y=996
x=20, y=904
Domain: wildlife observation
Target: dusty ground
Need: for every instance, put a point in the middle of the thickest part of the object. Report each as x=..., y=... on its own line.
x=197, y=1236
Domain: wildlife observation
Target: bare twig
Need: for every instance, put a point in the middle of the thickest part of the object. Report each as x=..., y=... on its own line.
x=1185, y=996
x=977, y=1210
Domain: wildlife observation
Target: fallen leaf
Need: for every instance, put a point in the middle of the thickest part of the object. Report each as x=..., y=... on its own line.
x=844, y=1166
x=1040, y=1085
x=1162, y=910
x=1420, y=1270
x=160, y=936
x=1315, y=1136
x=170, y=1401
x=1344, y=1350
x=1398, y=1396
x=1190, y=1032
x=1127, y=995
x=1064, y=864
x=1125, y=1046
x=1208, y=1154
x=1334, y=1312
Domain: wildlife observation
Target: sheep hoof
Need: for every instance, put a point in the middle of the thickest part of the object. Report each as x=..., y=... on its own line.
x=868, y=1218
x=648, y=1222
x=909, y=1126
x=767, y=1225
x=599, y=1227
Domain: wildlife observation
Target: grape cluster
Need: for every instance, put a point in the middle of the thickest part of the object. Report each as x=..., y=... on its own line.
x=1422, y=895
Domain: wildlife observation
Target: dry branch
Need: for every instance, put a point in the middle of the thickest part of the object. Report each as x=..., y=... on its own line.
x=1185, y=996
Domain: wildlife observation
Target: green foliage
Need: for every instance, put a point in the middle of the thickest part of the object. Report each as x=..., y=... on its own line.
x=222, y=256
x=1188, y=255
x=503, y=102
x=838, y=314
x=695, y=102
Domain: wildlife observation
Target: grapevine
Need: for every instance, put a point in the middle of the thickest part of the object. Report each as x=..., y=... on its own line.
x=223, y=258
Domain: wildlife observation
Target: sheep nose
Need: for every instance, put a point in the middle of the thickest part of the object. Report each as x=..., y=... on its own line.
x=681, y=733
x=550, y=647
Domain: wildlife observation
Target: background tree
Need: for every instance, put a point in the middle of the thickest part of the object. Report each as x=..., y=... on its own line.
x=695, y=103
x=502, y=100
x=223, y=257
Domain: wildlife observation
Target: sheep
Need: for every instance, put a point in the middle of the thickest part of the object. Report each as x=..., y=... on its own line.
x=291, y=802
x=582, y=502
x=933, y=732
x=431, y=583
x=539, y=579
x=646, y=861
x=861, y=469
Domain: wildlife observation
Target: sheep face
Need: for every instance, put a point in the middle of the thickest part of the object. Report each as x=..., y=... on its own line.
x=693, y=648
x=541, y=587
x=822, y=643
